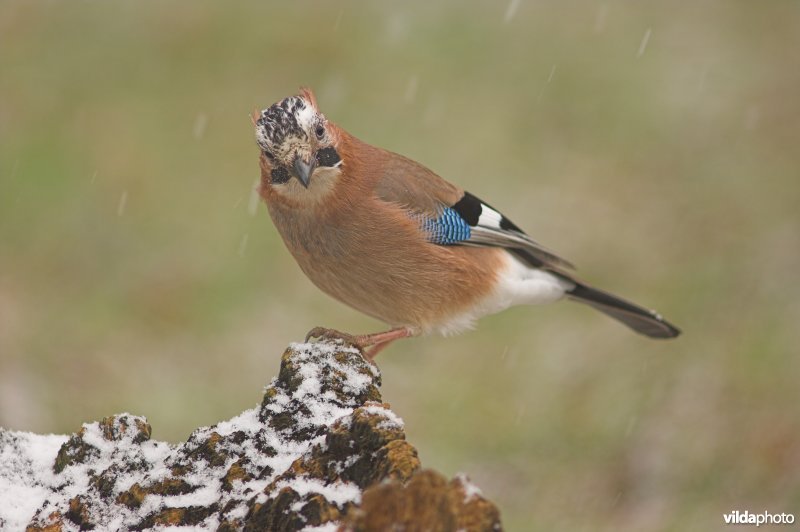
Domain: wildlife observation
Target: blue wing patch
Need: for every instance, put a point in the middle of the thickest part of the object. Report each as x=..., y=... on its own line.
x=448, y=229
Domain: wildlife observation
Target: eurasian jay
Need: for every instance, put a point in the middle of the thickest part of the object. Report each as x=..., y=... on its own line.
x=390, y=238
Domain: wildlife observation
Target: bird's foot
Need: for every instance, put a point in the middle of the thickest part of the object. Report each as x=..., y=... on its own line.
x=377, y=341
x=323, y=333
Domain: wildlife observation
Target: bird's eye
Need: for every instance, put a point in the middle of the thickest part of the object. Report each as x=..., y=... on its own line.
x=320, y=131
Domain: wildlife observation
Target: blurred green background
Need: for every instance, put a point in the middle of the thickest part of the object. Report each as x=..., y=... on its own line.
x=656, y=145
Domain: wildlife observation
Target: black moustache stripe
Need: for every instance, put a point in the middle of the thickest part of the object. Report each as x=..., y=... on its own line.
x=280, y=175
x=328, y=157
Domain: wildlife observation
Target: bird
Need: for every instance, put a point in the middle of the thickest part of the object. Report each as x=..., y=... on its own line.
x=390, y=238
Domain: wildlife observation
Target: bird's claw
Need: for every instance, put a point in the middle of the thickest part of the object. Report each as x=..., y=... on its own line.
x=322, y=333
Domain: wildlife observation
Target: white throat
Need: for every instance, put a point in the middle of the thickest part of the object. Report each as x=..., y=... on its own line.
x=320, y=185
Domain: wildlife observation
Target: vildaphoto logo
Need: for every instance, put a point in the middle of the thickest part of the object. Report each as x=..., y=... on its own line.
x=764, y=518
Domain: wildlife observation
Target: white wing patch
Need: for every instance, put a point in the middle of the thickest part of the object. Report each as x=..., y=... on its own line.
x=489, y=217
x=490, y=228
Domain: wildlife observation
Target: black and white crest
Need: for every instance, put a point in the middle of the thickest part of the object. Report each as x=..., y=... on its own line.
x=289, y=118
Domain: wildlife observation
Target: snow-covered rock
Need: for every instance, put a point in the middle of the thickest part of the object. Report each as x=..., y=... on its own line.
x=321, y=452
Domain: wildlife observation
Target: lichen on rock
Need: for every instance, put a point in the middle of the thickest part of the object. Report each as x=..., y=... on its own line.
x=322, y=449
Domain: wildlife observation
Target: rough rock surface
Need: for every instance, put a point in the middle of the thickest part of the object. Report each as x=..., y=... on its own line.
x=321, y=452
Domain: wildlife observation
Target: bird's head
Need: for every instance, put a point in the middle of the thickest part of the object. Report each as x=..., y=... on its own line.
x=298, y=145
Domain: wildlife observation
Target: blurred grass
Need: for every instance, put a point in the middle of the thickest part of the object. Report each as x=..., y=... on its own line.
x=137, y=273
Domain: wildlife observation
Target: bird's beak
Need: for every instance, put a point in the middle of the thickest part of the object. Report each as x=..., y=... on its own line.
x=303, y=169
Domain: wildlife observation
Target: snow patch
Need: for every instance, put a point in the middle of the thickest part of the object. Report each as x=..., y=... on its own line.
x=471, y=491
x=117, y=454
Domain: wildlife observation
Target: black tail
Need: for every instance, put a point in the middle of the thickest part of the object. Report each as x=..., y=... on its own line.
x=643, y=321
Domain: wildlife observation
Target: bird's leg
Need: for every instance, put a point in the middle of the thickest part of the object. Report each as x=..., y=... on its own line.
x=377, y=341
x=373, y=351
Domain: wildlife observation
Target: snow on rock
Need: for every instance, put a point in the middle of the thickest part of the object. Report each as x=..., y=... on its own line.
x=26, y=475
x=319, y=447
x=470, y=490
